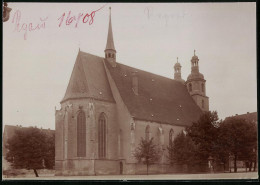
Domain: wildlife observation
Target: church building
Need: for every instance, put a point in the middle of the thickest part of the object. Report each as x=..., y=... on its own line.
x=108, y=107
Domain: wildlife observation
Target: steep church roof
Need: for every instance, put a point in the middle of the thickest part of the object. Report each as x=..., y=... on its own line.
x=88, y=79
x=159, y=99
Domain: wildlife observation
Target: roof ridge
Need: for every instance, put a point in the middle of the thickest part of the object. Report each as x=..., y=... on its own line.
x=83, y=52
x=149, y=72
x=142, y=70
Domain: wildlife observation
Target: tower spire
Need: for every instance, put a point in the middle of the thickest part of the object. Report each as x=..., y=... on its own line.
x=177, y=72
x=196, y=84
x=195, y=63
x=110, y=40
x=110, y=51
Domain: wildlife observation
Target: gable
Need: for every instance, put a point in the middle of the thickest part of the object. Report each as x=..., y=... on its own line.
x=88, y=79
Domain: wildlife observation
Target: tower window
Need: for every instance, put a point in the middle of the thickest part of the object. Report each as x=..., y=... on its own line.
x=202, y=103
x=190, y=87
x=81, y=134
x=109, y=55
x=102, y=136
x=202, y=87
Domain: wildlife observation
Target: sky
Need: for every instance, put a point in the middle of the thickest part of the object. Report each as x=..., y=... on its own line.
x=40, y=49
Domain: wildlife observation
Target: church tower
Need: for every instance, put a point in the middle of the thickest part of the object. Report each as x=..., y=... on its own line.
x=177, y=72
x=196, y=85
x=110, y=51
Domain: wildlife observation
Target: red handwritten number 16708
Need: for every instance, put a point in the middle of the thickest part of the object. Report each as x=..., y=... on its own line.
x=76, y=19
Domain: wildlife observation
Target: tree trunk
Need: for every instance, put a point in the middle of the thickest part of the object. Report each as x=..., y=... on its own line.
x=229, y=165
x=254, y=166
x=250, y=166
x=147, y=168
x=35, y=172
x=235, y=163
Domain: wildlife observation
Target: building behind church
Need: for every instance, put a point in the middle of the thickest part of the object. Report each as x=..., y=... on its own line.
x=109, y=106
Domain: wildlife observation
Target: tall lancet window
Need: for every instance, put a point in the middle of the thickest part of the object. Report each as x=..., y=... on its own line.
x=147, y=133
x=81, y=134
x=161, y=136
x=171, y=137
x=102, y=136
x=132, y=133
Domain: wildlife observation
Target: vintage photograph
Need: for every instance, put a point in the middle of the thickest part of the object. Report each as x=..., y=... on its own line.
x=129, y=91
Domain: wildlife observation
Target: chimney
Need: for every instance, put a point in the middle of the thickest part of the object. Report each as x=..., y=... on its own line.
x=135, y=82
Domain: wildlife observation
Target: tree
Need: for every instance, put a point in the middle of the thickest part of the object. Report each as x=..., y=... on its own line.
x=147, y=152
x=240, y=139
x=49, y=157
x=28, y=148
x=205, y=134
x=182, y=150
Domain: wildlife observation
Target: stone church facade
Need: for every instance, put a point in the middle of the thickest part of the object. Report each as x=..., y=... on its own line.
x=109, y=106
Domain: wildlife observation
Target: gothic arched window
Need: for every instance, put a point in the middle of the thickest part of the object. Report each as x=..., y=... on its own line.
x=202, y=103
x=102, y=136
x=190, y=87
x=171, y=136
x=161, y=135
x=132, y=133
x=147, y=133
x=81, y=134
